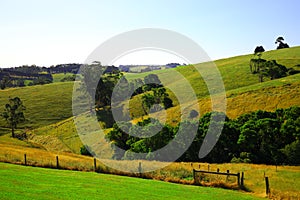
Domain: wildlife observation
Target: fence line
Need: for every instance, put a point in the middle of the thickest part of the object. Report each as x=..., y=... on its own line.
x=240, y=176
x=240, y=180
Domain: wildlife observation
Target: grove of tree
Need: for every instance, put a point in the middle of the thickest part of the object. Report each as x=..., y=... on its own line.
x=259, y=137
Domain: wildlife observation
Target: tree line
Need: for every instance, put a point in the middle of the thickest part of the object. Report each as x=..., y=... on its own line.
x=34, y=75
x=259, y=137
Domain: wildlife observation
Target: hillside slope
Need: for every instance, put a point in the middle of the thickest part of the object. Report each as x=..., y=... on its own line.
x=45, y=104
x=235, y=71
x=269, y=96
x=50, y=104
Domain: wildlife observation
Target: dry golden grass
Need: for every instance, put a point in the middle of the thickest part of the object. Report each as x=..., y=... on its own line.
x=284, y=180
x=42, y=158
x=281, y=93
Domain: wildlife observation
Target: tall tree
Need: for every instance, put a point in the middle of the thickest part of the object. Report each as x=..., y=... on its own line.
x=91, y=75
x=281, y=44
x=279, y=40
x=13, y=113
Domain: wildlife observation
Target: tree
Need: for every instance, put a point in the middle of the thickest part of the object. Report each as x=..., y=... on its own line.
x=281, y=44
x=151, y=81
x=138, y=84
x=266, y=68
x=20, y=83
x=121, y=89
x=41, y=81
x=5, y=82
x=256, y=64
x=90, y=80
x=292, y=153
x=85, y=150
x=160, y=96
x=258, y=50
x=13, y=113
x=193, y=114
x=262, y=72
x=275, y=70
x=147, y=101
x=118, y=137
x=168, y=103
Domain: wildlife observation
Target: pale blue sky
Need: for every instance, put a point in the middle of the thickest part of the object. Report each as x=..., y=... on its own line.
x=54, y=32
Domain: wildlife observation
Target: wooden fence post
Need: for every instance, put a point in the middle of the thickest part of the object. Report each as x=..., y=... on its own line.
x=25, y=160
x=194, y=173
x=57, y=162
x=140, y=168
x=95, y=165
x=240, y=176
x=242, y=179
x=267, y=185
x=227, y=177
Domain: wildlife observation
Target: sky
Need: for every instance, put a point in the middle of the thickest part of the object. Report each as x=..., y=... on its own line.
x=53, y=32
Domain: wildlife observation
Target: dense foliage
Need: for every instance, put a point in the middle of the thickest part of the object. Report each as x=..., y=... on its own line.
x=269, y=69
x=110, y=87
x=257, y=137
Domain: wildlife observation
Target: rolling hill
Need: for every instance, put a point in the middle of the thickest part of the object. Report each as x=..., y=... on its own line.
x=49, y=108
x=49, y=122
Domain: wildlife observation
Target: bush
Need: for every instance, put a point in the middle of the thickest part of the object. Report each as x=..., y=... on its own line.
x=193, y=114
x=84, y=150
x=293, y=71
x=292, y=153
x=41, y=81
x=244, y=158
x=68, y=78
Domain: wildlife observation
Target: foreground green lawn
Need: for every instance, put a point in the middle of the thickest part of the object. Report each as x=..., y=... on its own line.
x=21, y=182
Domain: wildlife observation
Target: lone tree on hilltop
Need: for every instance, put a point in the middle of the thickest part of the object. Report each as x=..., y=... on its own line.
x=13, y=113
x=259, y=50
x=255, y=63
x=281, y=44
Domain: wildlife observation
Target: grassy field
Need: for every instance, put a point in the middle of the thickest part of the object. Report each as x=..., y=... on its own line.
x=237, y=80
x=235, y=71
x=269, y=96
x=60, y=76
x=20, y=182
x=284, y=180
x=45, y=104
